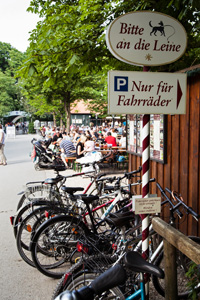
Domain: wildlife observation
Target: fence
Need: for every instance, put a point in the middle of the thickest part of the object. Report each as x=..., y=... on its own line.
x=174, y=239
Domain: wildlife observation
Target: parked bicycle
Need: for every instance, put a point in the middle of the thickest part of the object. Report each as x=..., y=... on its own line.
x=64, y=231
x=128, y=241
x=109, y=285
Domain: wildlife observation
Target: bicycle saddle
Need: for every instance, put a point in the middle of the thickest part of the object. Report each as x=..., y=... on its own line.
x=89, y=198
x=53, y=180
x=71, y=190
x=120, y=219
x=135, y=262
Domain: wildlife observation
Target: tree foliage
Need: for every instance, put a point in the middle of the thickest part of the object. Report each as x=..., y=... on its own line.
x=10, y=94
x=68, y=58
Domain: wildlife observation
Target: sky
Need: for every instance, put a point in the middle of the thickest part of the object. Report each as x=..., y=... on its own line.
x=16, y=23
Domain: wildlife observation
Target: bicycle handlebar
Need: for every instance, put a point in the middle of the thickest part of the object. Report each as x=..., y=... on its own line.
x=109, y=179
x=174, y=208
x=129, y=174
x=181, y=202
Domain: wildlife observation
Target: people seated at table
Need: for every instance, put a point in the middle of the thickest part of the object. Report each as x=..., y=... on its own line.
x=122, y=141
x=88, y=133
x=114, y=132
x=80, y=146
x=56, y=136
x=100, y=139
x=66, y=136
x=67, y=150
x=120, y=129
x=111, y=140
x=89, y=145
x=76, y=135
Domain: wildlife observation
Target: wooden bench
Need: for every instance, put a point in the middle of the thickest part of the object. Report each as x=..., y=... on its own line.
x=123, y=164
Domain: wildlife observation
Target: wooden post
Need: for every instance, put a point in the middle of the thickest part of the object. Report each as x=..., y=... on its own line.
x=170, y=271
x=174, y=239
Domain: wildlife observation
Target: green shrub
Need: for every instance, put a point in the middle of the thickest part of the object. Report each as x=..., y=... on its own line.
x=194, y=278
x=31, y=128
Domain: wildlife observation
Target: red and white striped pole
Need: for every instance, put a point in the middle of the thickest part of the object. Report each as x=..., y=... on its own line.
x=145, y=178
x=145, y=186
x=145, y=182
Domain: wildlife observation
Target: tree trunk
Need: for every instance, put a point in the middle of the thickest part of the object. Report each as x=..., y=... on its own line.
x=54, y=119
x=61, y=122
x=67, y=110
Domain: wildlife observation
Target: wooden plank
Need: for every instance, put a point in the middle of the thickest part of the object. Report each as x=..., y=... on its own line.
x=175, y=153
x=153, y=174
x=184, y=162
x=193, y=153
x=188, y=247
x=167, y=166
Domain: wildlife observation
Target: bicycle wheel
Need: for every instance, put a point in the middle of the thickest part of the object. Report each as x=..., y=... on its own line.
x=96, y=264
x=26, y=231
x=86, y=279
x=29, y=226
x=183, y=264
x=25, y=210
x=53, y=247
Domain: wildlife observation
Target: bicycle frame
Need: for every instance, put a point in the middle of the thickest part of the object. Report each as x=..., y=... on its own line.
x=111, y=203
x=140, y=292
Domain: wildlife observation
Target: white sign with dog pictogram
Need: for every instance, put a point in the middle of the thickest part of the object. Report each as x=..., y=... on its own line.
x=146, y=92
x=146, y=38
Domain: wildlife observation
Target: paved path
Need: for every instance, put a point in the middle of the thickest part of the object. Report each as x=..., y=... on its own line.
x=17, y=279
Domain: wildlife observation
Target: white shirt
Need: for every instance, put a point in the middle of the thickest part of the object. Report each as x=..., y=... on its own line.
x=2, y=134
x=122, y=142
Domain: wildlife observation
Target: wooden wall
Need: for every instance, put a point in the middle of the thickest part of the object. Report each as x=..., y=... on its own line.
x=182, y=170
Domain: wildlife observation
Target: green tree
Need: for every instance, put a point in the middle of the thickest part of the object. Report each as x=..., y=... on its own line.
x=68, y=46
x=10, y=59
x=10, y=93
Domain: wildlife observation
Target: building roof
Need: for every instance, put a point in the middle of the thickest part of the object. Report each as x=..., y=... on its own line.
x=80, y=107
x=191, y=71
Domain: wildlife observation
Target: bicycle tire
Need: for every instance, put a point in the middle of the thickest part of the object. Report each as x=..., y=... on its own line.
x=23, y=241
x=182, y=267
x=27, y=228
x=86, y=279
x=95, y=264
x=25, y=210
x=57, y=237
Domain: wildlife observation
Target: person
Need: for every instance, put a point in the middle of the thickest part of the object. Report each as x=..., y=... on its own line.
x=56, y=136
x=101, y=139
x=67, y=150
x=76, y=135
x=48, y=132
x=80, y=146
x=122, y=141
x=120, y=130
x=66, y=136
x=111, y=140
x=89, y=145
x=114, y=132
x=2, y=145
